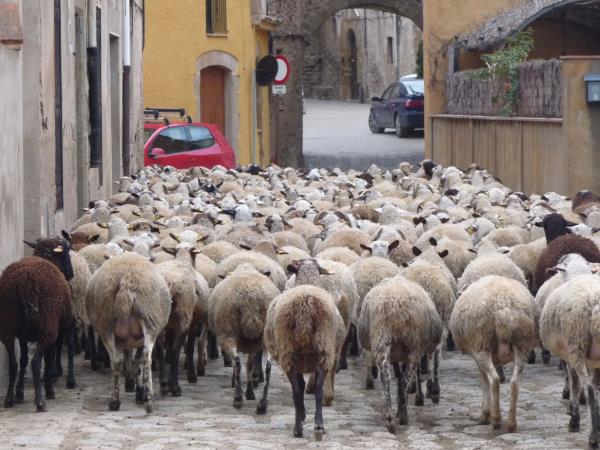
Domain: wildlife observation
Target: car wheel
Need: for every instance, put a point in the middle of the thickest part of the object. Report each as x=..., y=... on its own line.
x=401, y=132
x=374, y=126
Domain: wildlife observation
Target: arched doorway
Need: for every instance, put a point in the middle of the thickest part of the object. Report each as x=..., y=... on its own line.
x=353, y=61
x=217, y=85
x=212, y=96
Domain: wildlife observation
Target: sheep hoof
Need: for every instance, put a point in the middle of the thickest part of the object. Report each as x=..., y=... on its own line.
x=71, y=384
x=201, y=371
x=389, y=424
x=511, y=428
x=593, y=444
x=227, y=362
x=250, y=395
x=149, y=406
x=484, y=419
x=19, y=396
x=41, y=407
x=546, y=357
x=566, y=394
x=343, y=365
x=298, y=432
x=412, y=388
x=50, y=395
x=319, y=432
x=129, y=385
x=531, y=357
x=192, y=378
x=419, y=400
x=164, y=388
x=496, y=424
x=562, y=365
x=139, y=395
x=238, y=402
x=374, y=372
x=9, y=403
x=435, y=398
x=328, y=400
x=176, y=391
x=114, y=405
x=95, y=366
x=574, y=426
x=261, y=408
x=582, y=399
x=370, y=384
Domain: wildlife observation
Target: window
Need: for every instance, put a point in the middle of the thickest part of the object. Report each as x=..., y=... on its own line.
x=172, y=140
x=415, y=87
x=390, y=50
x=200, y=138
x=388, y=92
x=216, y=16
x=95, y=95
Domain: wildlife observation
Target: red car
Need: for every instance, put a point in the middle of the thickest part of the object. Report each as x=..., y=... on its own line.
x=185, y=145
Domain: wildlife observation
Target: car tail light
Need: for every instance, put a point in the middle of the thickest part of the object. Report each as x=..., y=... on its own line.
x=414, y=104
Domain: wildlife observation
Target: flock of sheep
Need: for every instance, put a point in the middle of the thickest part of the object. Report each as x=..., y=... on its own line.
x=304, y=267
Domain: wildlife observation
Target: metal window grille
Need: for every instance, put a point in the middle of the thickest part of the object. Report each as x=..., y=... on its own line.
x=216, y=16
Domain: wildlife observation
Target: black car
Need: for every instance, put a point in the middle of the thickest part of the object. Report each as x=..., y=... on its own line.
x=400, y=107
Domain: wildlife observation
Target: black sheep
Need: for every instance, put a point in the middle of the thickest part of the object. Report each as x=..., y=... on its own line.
x=35, y=306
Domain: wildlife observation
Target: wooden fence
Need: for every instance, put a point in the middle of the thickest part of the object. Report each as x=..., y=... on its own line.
x=527, y=154
x=540, y=89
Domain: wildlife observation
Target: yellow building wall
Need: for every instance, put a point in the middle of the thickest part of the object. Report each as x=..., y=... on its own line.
x=176, y=38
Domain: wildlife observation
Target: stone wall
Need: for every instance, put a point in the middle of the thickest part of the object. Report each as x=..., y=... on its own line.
x=328, y=62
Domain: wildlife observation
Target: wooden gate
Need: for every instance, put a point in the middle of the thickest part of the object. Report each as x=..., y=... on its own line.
x=212, y=96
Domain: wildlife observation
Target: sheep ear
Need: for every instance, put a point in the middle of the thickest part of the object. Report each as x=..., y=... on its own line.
x=103, y=225
x=66, y=235
x=433, y=242
x=393, y=245
x=443, y=254
x=202, y=238
x=472, y=250
x=416, y=220
x=136, y=213
x=154, y=229
x=281, y=252
x=91, y=205
x=539, y=223
x=554, y=270
x=257, y=214
x=293, y=268
x=245, y=247
x=175, y=237
x=93, y=238
x=405, y=265
x=570, y=224
x=416, y=251
x=171, y=251
x=31, y=244
x=128, y=242
x=323, y=271
x=267, y=273
x=366, y=247
x=476, y=215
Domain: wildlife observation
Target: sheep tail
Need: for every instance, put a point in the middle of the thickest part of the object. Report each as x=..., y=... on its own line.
x=252, y=322
x=303, y=321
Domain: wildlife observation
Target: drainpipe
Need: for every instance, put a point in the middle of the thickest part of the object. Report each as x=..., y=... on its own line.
x=126, y=129
x=398, y=26
x=254, y=118
x=91, y=13
x=366, y=67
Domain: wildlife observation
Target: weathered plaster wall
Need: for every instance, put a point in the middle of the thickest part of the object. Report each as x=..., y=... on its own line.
x=11, y=163
x=581, y=125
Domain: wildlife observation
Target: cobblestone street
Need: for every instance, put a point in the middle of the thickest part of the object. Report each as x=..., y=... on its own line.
x=204, y=418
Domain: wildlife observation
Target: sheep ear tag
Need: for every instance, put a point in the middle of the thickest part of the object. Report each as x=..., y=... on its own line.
x=471, y=230
x=58, y=249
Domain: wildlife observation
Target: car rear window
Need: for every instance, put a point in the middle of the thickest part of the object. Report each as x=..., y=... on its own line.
x=172, y=140
x=200, y=137
x=415, y=87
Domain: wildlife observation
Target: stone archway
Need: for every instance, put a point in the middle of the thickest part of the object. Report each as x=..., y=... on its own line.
x=300, y=21
x=229, y=63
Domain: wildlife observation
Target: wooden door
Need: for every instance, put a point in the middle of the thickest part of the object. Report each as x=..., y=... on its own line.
x=212, y=96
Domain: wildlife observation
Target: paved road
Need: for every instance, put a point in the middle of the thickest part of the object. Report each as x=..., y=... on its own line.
x=205, y=418
x=336, y=134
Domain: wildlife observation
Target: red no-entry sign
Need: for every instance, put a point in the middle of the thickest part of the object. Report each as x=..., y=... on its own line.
x=283, y=71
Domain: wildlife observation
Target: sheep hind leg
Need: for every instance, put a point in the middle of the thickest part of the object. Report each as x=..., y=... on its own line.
x=116, y=359
x=9, y=400
x=36, y=366
x=258, y=375
x=298, y=395
x=146, y=363
x=261, y=408
x=384, y=370
x=139, y=382
x=592, y=392
x=49, y=371
x=485, y=390
x=485, y=361
x=250, y=362
x=320, y=377
x=159, y=355
x=201, y=364
x=192, y=375
x=416, y=376
x=310, y=386
x=370, y=376
x=91, y=341
x=546, y=355
x=57, y=351
x=433, y=383
x=174, y=353
x=574, y=393
x=20, y=393
x=329, y=384
x=238, y=400
x=519, y=365
x=129, y=378
x=71, y=335
x=354, y=345
x=212, y=347
x=343, y=361
x=402, y=412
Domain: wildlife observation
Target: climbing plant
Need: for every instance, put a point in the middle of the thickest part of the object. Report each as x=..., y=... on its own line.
x=503, y=66
x=419, y=68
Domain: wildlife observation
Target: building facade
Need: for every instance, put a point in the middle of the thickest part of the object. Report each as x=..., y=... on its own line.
x=358, y=53
x=202, y=56
x=71, y=114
